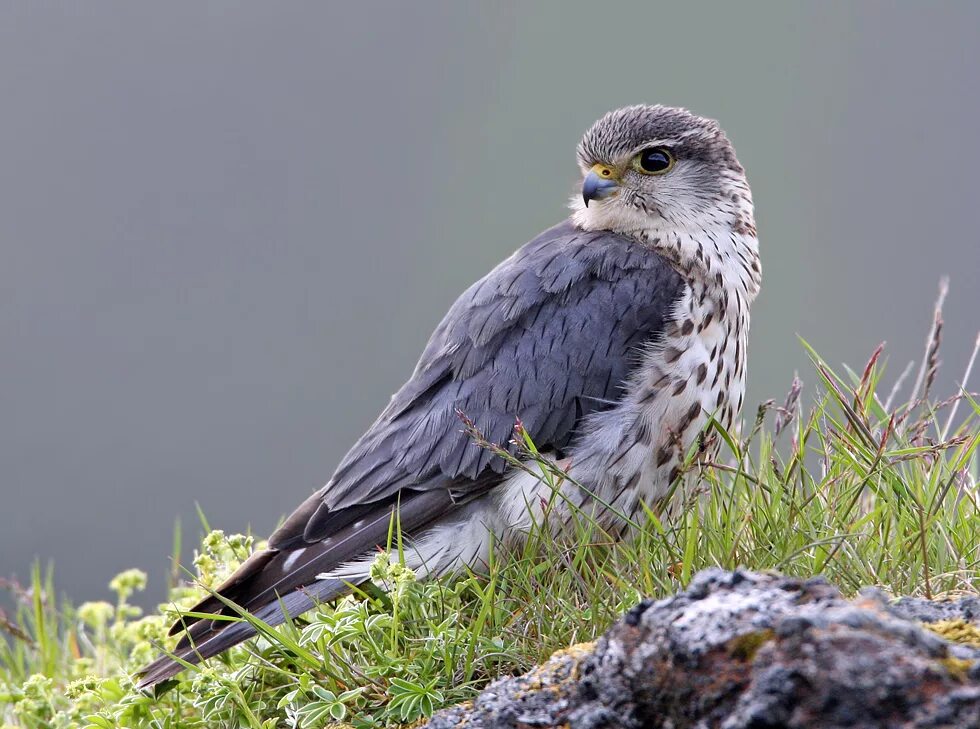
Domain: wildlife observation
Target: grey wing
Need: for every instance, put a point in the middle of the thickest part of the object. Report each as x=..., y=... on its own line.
x=549, y=336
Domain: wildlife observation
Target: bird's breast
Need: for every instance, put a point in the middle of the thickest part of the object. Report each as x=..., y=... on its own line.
x=633, y=453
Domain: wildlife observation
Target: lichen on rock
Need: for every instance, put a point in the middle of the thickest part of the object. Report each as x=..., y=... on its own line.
x=738, y=650
x=957, y=631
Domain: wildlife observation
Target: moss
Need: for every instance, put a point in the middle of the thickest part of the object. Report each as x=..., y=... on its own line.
x=744, y=647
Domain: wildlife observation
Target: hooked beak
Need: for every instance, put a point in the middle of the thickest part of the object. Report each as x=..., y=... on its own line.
x=600, y=183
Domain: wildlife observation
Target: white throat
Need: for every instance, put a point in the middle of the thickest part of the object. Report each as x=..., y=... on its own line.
x=716, y=252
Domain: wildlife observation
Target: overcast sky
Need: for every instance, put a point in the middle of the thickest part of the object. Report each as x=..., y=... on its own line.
x=227, y=229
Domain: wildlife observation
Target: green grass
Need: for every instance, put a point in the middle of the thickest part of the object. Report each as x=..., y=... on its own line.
x=856, y=488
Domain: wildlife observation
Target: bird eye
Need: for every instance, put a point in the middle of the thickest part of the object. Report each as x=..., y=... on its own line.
x=654, y=161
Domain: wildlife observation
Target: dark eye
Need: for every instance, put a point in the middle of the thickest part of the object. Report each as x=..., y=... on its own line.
x=654, y=161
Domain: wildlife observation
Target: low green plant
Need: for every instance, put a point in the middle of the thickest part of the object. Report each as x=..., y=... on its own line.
x=857, y=488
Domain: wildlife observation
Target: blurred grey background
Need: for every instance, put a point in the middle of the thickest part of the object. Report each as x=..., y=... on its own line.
x=227, y=229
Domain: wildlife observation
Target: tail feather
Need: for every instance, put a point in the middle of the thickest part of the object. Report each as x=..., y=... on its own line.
x=212, y=637
x=231, y=589
x=287, y=577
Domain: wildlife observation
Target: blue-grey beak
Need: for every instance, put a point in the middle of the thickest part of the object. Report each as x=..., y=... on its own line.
x=599, y=184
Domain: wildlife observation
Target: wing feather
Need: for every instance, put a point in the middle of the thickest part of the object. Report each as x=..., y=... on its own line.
x=548, y=336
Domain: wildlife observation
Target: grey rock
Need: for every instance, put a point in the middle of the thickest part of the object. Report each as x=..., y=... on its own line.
x=931, y=611
x=741, y=650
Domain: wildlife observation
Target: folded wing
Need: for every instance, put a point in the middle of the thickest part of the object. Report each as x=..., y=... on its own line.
x=549, y=336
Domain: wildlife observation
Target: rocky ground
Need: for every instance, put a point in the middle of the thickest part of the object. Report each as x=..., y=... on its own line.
x=740, y=650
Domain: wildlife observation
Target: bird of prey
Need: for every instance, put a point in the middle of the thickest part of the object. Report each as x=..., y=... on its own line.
x=613, y=336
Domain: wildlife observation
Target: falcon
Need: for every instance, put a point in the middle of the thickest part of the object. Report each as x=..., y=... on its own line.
x=613, y=336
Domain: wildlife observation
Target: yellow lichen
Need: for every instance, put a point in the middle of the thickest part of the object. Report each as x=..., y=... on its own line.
x=556, y=670
x=957, y=667
x=957, y=631
x=576, y=653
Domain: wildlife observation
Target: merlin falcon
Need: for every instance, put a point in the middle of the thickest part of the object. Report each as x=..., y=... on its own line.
x=614, y=337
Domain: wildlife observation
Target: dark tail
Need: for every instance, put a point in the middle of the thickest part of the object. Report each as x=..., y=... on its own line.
x=208, y=638
x=284, y=577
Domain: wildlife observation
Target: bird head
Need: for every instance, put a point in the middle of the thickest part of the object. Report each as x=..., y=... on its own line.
x=667, y=177
x=656, y=165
